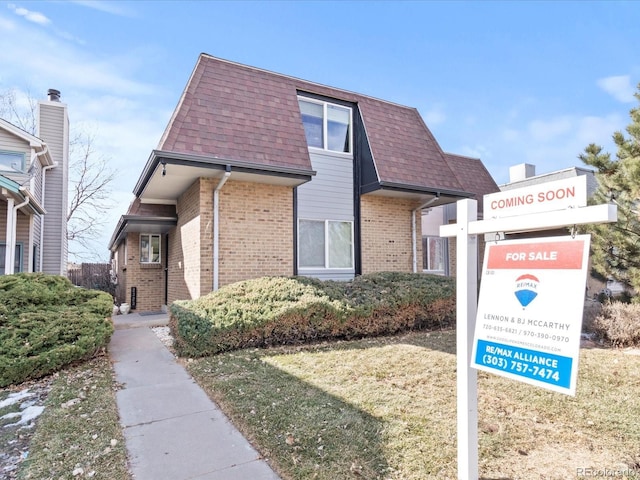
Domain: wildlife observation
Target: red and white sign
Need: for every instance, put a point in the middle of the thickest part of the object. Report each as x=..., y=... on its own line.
x=545, y=197
x=529, y=315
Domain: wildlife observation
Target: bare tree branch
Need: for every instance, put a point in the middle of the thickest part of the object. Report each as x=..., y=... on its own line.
x=23, y=113
x=90, y=177
x=90, y=174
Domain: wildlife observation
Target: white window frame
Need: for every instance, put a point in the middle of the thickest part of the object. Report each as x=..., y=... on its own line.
x=149, y=253
x=325, y=136
x=425, y=254
x=326, y=245
x=23, y=166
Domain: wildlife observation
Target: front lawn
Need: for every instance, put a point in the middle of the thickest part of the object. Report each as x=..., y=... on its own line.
x=385, y=408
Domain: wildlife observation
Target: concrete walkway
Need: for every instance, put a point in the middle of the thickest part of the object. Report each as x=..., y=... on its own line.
x=172, y=429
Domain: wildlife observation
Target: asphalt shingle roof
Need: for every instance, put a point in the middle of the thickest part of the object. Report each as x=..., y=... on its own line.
x=239, y=112
x=473, y=176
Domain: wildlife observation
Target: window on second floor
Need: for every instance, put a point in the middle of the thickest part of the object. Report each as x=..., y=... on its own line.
x=326, y=125
x=12, y=161
x=149, y=248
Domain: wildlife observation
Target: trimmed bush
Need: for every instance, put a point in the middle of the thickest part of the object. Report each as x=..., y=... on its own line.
x=618, y=323
x=282, y=310
x=47, y=323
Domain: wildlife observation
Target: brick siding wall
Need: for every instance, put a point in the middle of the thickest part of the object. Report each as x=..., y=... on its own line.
x=256, y=236
x=256, y=231
x=147, y=278
x=184, y=247
x=386, y=235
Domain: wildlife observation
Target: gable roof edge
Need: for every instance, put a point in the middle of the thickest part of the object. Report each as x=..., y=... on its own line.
x=174, y=115
x=23, y=134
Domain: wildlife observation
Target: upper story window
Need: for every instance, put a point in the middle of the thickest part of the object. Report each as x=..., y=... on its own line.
x=12, y=161
x=326, y=125
x=149, y=248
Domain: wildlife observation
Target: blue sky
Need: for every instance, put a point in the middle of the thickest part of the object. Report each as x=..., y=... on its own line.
x=508, y=82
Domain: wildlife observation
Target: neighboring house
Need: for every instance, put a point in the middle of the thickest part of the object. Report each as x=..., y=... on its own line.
x=33, y=192
x=524, y=175
x=259, y=173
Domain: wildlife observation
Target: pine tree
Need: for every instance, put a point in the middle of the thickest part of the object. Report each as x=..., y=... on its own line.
x=616, y=246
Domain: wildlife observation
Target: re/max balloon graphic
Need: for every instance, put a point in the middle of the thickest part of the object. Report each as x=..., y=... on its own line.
x=526, y=288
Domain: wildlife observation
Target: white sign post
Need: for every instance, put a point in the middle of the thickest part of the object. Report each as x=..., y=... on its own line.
x=555, y=212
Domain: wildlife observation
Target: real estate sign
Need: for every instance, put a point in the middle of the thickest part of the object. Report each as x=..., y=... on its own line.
x=544, y=197
x=529, y=315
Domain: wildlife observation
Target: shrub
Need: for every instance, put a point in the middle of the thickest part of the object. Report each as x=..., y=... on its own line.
x=619, y=323
x=281, y=310
x=47, y=323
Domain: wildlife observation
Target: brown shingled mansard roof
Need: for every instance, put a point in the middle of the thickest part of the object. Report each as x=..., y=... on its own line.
x=241, y=113
x=473, y=176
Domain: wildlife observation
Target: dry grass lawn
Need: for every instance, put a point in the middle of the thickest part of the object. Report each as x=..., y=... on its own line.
x=385, y=409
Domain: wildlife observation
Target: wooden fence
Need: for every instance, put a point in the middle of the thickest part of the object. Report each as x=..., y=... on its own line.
x=95, y=276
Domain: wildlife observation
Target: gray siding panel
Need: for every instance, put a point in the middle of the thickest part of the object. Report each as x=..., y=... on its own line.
x=11, y=143
x=328, y=196
x=54, y=130
x=328, y=274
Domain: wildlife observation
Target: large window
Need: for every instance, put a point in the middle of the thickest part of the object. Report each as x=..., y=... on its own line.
x=12, y=161
x=17, y=266
x=326, y=125
x=149, y=248
x=325, y=244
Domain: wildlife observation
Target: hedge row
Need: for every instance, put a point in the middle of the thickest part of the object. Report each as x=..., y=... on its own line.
x=281, y=310
x=47, y=323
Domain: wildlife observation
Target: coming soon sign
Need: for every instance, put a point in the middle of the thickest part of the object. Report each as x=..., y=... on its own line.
x=530, y=310
x=545, y=197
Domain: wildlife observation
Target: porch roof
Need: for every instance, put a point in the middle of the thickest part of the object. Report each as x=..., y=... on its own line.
x=140, y=223
x=20, y=194
x=168, y=174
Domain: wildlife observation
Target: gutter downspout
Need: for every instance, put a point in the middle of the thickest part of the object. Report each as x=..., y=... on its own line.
x=216, y=227
x=44, y=183
x=413, y=230
x=11, y=242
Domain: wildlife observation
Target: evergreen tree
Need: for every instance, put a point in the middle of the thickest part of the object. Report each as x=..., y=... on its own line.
x=616, y=246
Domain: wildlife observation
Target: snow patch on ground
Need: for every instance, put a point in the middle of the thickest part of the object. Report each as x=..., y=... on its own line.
x=26, y=416
x=15, y=398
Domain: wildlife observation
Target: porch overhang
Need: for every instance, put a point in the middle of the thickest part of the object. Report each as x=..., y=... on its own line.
x=140, y=224
x=20, y=194
x=167, y=175
x=420, y=194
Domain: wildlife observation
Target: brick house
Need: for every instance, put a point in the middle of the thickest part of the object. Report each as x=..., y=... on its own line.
x=34, y=191
x=259, y=173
